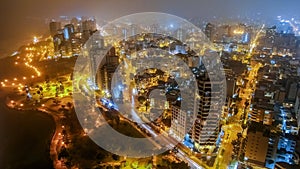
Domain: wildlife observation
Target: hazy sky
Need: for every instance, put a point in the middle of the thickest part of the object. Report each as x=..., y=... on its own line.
x=21, y=19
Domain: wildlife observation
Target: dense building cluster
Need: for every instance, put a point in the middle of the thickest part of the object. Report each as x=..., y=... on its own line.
x=272, y=109
x=262, y=97
x=70, y=35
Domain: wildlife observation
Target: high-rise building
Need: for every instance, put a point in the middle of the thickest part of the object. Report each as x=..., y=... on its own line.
x=76, y=23
x=68, y=31
x=96, y=55
x=206, y=128
x=89, y=25
x=222, y=32
x=230, y=82
x=209, y=31
x=297, y=109
x=179, y=123
x=285, y=44
x=298, y=51
x=293, y=88
x=246, y=37
x=267, y=42
x=181, y=34
x=106, y=72
x=124, y=31
x=280, y=95
x=133, y=29
x=154, y=28
x=57, y=41
x=270, y=37
x=54, y=27
x=256, y=148
x=284, y=27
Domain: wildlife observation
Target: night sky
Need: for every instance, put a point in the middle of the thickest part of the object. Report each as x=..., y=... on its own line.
x=21, y=19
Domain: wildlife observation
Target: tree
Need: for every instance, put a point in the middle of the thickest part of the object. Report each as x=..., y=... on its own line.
x=63, y=153
x=47, y=79
x=115, y=157
x=181, y=165
x=100, y=155
x=141, y=99
x=69, y=104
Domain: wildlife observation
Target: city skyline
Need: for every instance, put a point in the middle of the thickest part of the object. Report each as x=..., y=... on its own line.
x=24, y=19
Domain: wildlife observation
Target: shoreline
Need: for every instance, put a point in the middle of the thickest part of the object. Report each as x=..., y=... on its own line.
x=54, y=143
x=18, y=115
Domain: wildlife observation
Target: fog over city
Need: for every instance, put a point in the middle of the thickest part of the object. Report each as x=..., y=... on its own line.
x=21, y=20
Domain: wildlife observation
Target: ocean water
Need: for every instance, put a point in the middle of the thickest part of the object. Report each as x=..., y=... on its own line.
x=25, y=138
